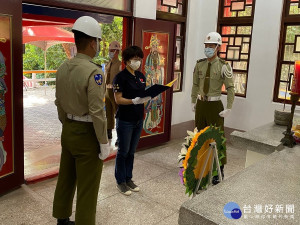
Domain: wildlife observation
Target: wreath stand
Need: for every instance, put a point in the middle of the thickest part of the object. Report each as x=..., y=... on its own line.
x=212, y=150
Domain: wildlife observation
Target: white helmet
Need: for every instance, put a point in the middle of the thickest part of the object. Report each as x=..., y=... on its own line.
x=88, y=25
x=213, y=38
x=114, y=45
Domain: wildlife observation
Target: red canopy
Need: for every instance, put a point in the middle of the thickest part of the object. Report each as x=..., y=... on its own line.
x=46, y=33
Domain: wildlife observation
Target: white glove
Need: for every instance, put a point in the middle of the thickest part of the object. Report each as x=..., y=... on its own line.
x=193, y=107
x=139, y=100
x=225, y=113
x=105, y=150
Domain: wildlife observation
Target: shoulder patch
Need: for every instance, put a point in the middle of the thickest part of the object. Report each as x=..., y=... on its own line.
x=98, y=79
x=201, y=60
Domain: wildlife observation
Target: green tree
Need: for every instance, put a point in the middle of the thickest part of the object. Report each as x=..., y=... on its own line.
x=110, y=32
x=33, y=59
x=55, y=57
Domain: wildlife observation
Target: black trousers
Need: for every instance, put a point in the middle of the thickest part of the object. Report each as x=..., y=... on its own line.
x=207, y=113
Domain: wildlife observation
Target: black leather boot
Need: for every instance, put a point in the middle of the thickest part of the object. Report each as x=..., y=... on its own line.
x=65, y=222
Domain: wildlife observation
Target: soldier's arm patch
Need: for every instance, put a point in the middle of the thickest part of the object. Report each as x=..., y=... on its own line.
x=98, y=79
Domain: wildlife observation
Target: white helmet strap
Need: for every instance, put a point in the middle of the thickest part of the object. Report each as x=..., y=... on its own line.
x=215, y=49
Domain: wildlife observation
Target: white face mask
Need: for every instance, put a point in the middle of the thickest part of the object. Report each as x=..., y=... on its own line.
x=135, y=64
x=111, y=54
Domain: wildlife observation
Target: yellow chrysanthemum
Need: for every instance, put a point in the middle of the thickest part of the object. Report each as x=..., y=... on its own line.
x=201, y=157
x=194, y=140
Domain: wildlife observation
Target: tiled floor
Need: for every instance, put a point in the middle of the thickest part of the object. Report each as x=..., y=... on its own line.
x=42, y=131
x=158, y=202
x=41, y=125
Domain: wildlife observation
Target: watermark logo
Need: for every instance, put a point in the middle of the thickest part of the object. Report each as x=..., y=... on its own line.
x=232, y=210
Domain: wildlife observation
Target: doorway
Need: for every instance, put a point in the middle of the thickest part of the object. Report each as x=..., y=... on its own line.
x=41, y=59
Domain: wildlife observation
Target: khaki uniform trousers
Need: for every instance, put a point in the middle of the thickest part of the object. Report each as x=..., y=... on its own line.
x=81, y=167
x=207, y=113
x=111, y=108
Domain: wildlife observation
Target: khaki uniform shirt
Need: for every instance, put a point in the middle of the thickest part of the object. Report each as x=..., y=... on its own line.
x=112, y=69
x=80, y=90
x=217, y=79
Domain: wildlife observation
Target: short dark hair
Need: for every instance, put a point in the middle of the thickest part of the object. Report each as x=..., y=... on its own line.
x=131, y=52
x=81, y=39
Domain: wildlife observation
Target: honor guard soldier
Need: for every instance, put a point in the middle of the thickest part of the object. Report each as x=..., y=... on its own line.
x=113, y=67
x=80, y=92
x=208, y=78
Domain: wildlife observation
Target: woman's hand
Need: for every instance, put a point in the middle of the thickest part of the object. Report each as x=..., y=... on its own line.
x=139, y=100
x=124, y=101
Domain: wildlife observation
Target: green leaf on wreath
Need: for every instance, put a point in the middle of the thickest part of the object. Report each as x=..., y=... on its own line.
x=216, y=134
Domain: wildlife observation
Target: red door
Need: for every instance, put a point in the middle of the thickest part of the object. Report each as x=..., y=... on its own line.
x=156, y=38
x=11, y=96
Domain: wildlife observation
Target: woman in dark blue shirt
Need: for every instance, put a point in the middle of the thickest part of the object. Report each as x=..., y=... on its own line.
x=129, y=85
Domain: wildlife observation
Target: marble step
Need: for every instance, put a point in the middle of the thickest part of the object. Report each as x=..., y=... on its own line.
x=255, y=142
x=273, y=180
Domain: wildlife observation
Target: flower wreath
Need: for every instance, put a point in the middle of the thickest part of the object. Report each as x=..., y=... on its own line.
x=193, y=154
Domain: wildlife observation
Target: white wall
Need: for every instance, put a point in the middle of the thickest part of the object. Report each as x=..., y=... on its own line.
x=257, y=108
x=202, y=19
